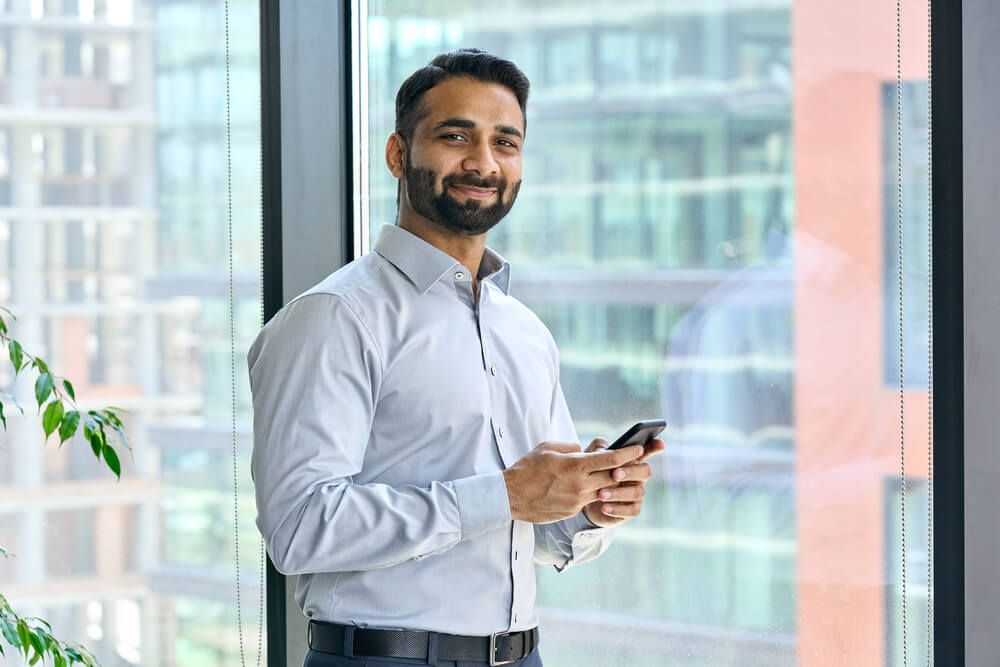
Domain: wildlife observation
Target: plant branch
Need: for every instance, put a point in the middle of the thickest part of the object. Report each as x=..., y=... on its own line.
x=54, y=394
x=32, y=637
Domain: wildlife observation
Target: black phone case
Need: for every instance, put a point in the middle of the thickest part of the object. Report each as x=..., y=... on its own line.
x=639, y=434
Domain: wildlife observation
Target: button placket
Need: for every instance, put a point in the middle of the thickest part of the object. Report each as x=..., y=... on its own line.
x=495, y=389
x=521, y=536
x=462, y=281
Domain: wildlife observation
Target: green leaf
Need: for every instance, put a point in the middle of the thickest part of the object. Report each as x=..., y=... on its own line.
x=3, y=326
x=16, y=355
x=37, y=646
x=53, y=415
x=43, y=388
x=123, y=438
x=111, y=458
x=24, y=635
x=6, y=554
x=3, y=418
x=51, y=643
x=70, y=422
x=113, y=418
x=40, y=365
x=9, y=632
x=116, y=424
x=68, y=386
x=59, y=660
x=7, y=310
x=41, y=642
x=37, y=654
x=93, y=435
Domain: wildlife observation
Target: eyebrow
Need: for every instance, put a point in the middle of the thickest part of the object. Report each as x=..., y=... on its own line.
x=469, y=125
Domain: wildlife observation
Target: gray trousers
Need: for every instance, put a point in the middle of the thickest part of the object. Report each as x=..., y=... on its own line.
x=317, y=659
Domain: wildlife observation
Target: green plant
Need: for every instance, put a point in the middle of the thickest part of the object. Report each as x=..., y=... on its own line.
x=29, y=635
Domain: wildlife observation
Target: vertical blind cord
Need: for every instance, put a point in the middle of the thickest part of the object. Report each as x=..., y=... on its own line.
x=232, y=366
x=899, y=267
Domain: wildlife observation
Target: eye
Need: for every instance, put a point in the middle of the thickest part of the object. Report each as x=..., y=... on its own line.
x=454, y=136
x=508, y=143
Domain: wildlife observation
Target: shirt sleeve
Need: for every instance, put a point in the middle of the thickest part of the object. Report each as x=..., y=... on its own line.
x=315, y=373
x=576, y=539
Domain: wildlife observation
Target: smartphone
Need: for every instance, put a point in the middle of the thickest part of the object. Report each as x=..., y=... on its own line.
x=639, y=433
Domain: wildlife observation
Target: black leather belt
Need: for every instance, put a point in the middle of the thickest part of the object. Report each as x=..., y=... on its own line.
x=500, y=648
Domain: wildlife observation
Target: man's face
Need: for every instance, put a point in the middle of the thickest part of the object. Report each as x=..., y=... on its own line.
x=462, y=167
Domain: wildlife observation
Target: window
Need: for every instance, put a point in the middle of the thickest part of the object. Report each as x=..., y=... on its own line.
x=113, y=255
x=917, y=589
x=701, y=230
x=916, y=262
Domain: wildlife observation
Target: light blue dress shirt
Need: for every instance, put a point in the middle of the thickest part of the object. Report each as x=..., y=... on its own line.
x=387, y=402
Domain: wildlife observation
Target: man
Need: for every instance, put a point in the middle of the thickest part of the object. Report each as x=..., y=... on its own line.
x=413, y=453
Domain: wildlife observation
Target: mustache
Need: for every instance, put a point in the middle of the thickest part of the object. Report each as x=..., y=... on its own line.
x=455, y=179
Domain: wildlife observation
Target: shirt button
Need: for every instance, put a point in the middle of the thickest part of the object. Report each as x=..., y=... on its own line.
x=493, y=370
x=515, y=618
x=501, y=431
x=515, y=555
x=459, y=275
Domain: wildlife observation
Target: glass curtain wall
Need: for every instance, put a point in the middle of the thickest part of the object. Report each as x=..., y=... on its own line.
x=707, y=224
x=114, y=257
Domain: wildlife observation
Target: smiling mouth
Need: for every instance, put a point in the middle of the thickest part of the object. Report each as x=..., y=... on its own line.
x=474, y=192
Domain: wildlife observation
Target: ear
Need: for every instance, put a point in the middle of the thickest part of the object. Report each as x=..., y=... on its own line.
x=395, y=148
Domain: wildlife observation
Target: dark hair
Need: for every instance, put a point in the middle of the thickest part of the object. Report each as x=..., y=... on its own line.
x=472, y=63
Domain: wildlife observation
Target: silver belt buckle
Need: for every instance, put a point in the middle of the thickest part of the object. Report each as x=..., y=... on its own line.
x=493, y=649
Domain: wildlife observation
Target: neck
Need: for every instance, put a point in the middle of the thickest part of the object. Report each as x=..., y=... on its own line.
x=467, y=250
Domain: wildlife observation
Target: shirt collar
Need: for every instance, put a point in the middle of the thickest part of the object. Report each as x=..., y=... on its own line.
x=424, y=264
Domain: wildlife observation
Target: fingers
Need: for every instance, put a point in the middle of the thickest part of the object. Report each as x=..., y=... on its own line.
x=629, y=493
x=632, y=472
x=621, y=510
x=652, y=448
x=596, y=445
x=616, y=458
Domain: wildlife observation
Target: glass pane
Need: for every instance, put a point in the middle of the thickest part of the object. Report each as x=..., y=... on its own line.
x=114, y=257
x=709, y=225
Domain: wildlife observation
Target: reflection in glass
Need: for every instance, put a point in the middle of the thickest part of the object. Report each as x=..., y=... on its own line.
x=700, y=227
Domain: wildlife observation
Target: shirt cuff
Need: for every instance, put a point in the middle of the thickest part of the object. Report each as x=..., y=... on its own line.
x=483, y=503
x=578, y=522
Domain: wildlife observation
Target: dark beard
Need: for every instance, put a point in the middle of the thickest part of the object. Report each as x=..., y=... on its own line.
x=469, y=219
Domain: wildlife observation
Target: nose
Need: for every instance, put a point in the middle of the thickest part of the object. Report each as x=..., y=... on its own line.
x=480, y=160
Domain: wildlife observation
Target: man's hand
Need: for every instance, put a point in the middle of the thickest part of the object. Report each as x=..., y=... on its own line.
x=620, y=503
x=555, y=480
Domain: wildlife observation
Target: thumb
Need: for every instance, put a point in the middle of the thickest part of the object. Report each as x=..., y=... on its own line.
x=596, y=445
